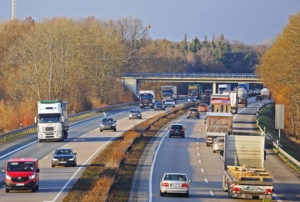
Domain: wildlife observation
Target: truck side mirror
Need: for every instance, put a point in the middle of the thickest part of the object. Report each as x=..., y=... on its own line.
x=62, y=119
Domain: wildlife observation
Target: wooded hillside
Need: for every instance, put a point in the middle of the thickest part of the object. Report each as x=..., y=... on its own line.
x=77, y=60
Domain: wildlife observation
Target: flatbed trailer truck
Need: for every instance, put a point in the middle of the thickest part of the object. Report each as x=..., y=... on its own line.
x=244, y=174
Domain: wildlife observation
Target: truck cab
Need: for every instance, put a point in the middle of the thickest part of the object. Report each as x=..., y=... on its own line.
x=22, y=173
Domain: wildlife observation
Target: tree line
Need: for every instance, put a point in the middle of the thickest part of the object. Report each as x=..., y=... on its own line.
x=280, y=71
x=78, y=60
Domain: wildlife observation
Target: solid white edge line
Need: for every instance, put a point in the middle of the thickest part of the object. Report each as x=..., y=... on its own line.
x=198, y=154
x=153, y=162
x=202, y=170
x=72, y=177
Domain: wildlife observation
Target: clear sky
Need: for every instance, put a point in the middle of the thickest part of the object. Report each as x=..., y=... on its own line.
x=251, y=21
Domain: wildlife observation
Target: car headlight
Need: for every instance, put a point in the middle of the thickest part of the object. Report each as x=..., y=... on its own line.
x=7, y=177
x=101, y=125
x=114, y=124
x=72, y=159
x=32, y=176
x=54, y=159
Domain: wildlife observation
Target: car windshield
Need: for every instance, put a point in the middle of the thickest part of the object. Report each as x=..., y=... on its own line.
x=176, y=127
x=49, y=118
x=167, y=92
x=134, y=111
x=158, y=103
x=169, y=100
x=193, y=110
x=202, y=105
x=107, y=120
x=63, y=151
x=20, y=166
x=175, y=177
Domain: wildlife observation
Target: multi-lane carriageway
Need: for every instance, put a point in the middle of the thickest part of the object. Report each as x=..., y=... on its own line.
x=189, y=155
x=84, y=138
x=205, y=168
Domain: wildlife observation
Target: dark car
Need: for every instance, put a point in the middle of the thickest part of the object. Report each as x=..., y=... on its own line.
x=176, y=130
x=159, y=105
x=65, y=157
x=193, y=112
x=258, y=97
x=135, y=114
x=108, y=124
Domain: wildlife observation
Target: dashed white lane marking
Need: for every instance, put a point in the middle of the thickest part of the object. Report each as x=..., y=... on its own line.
x=198, y=148
x=198, y=154
x=199, y=161
x=197, y=142
x=211, y=193
x=202, y=170
x=205, y=179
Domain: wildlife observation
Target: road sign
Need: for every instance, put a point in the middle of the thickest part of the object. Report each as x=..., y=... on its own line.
x=279, y=116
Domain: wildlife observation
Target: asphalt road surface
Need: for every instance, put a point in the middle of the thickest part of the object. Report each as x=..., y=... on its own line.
x=84, y=138
x=205, y=168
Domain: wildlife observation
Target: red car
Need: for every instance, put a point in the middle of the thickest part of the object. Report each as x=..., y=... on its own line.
x=22, y=173
x=203, y=107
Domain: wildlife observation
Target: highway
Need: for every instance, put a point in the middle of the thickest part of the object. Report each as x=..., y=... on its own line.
x=205, y=168
x=84, y=138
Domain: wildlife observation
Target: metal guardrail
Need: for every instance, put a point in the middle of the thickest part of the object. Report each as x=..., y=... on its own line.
x=274, y=142
x=101, y=109
x=190, y=75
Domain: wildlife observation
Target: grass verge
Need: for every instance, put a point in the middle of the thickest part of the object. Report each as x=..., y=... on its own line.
x=267, y=120
x=96, y=180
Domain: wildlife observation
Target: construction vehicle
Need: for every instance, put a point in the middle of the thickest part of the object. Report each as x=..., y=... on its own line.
x=53, y=121
x=244, y=174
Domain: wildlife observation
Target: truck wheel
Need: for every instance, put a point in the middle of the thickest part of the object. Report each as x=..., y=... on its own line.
x=207, y=144
x=65, y=134
x=6, y=190
x=162, y=194
x=34, y=189
x=115, y=129
x=40, y=140
x=101, y=130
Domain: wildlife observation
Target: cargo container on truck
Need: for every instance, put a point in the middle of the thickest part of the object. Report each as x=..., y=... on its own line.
x=195, y=90
x=52, y=120
x=242, y=96
x=147, y=98
x=224, y=87
x=244, y=85
x=220, y=103
x=244, y=174
x=265, y=93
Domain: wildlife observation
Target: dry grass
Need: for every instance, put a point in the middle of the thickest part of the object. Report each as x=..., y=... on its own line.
x=96, y=180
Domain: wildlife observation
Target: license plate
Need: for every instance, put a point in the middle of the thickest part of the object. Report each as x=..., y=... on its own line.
x=19, y=184
x=63, y=162
x=176, y=185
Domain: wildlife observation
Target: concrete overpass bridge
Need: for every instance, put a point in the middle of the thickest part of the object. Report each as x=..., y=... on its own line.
x=133, y=80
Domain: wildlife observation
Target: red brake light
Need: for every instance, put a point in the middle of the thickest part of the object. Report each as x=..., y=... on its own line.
x=171, y=129
x=182, y=130
x=165, y=184
x=185, y=185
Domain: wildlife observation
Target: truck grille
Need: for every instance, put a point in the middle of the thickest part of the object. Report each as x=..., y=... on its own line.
x=19, y=179
x=49, y=128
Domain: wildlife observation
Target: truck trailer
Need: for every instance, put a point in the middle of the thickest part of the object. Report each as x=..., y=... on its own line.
x=244, y=174
x=52, y=120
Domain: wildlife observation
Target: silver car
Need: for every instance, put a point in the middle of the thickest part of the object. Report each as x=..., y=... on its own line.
x=135, y=114
x=218, y=144
x=175, y=183
x=170, y=103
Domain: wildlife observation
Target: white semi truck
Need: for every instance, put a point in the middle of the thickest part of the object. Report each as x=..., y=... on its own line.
x=52, y=122
x=168, y=92
x=147, y=98
x=244, y=174
x=242, y=96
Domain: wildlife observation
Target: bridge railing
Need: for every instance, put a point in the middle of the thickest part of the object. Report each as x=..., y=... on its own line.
x=189, y=75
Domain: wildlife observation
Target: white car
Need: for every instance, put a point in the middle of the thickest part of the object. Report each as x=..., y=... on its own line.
x=177, y=183
x=170, y=103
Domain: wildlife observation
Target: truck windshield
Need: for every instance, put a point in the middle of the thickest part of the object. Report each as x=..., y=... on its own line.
x=49, y=118
x=20, y=166
x=193, y=92
x=146, y=96
x=167, y=92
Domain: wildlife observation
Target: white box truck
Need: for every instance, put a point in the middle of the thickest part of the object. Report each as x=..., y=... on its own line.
x=52, y=121
x=244, y=174
x=169, y=92
x=147, y=98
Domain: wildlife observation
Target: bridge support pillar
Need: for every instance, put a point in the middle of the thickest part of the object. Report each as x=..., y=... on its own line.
x=214, y=87
x=132, y=84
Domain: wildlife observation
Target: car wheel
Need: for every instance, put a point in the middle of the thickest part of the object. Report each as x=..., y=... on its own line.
x=187, y=195
x=115, y=129
x=169, y=136
x=187, y=117
x=162, y=194
x=214, y=151
x=52, y=165
x=74, y=164
x=183, y=136
x=6, y=190
x=37, y=187
x=207, y=144
x=101, y=130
